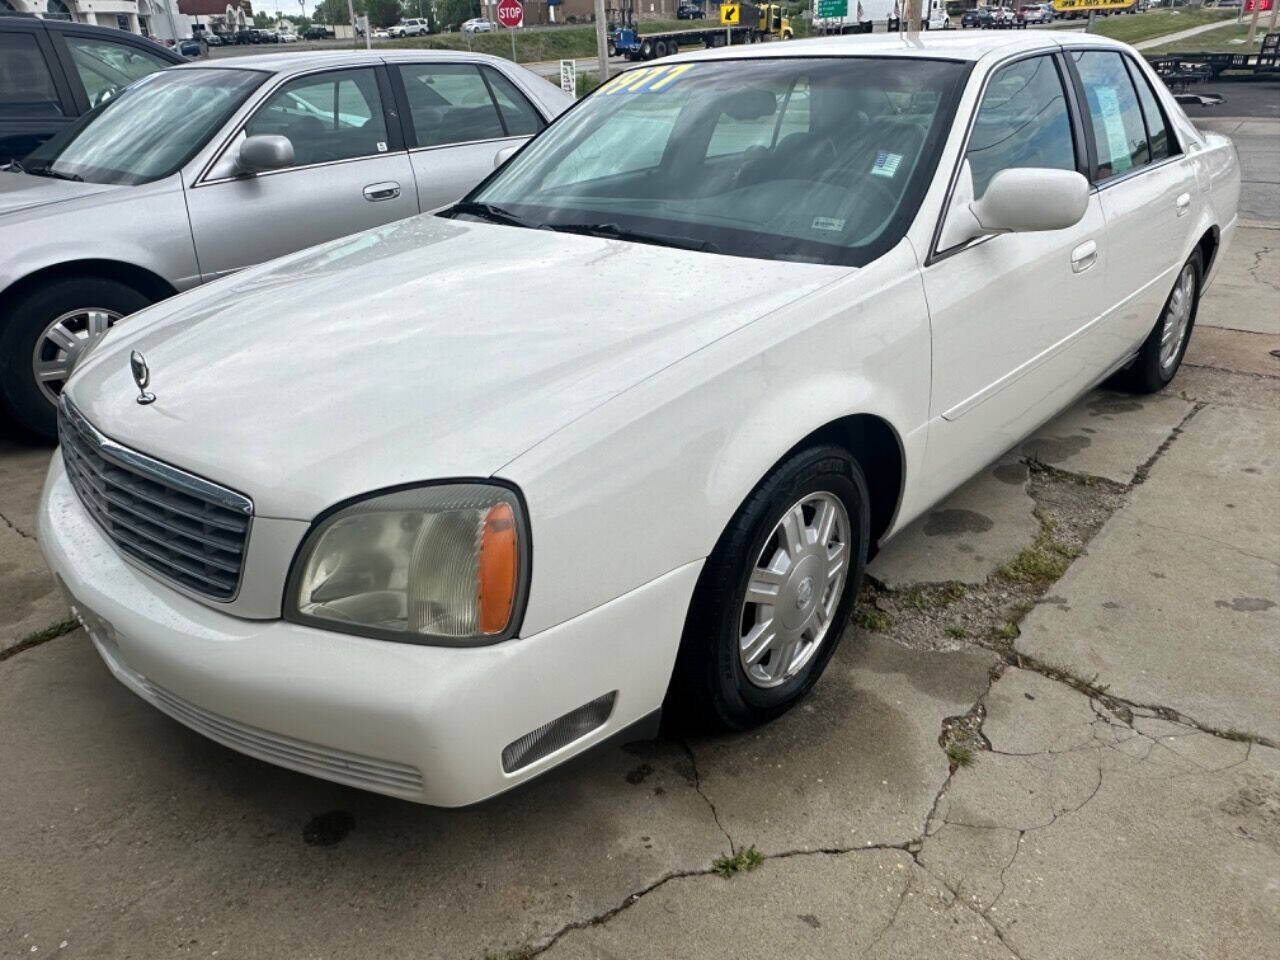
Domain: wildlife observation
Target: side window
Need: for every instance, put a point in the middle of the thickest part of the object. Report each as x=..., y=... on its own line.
x=1023, y=122
x=518, y=114
x=1162, y=144
x=326, y=116
x=450, y=103
x=106, y=67
x=26, y=85
x=1118, y=130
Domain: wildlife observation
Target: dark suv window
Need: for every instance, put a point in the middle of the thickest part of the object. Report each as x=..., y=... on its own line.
x=26, y=85
x=1119, y=133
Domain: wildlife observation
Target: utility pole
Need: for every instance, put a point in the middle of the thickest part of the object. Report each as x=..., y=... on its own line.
x=1253, y=24
x=913, y=16
x=602, y=41
x=351, y=11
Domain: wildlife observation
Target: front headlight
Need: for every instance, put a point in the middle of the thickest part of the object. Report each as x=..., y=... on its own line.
x=442, y=564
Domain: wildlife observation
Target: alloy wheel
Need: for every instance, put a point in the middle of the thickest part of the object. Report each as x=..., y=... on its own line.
x=62, y=344
x=794, y=590
x=1177, y=318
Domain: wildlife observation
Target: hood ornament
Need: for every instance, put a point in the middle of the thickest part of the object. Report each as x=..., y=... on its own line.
x=141, y=376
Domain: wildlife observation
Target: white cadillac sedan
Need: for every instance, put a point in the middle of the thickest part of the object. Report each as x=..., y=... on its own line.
x=430, y=509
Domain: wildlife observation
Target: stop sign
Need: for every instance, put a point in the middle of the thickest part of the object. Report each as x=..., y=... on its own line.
x=510, y=13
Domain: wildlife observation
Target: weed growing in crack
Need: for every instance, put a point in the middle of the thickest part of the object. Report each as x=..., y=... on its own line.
x=1007, y=631
x=869, y=618
x=743, y=859
x=958, y=632
x=959, y=755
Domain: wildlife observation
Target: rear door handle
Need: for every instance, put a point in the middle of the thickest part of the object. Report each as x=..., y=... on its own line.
x=387, y=190
x=1183, y=203
x=1084, y=256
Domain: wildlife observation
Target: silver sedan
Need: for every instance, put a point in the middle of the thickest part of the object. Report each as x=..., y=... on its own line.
x=195, y=172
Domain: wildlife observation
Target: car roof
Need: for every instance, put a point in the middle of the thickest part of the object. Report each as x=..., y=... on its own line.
x=949, y=45
x=8, y=17
x=304, y=61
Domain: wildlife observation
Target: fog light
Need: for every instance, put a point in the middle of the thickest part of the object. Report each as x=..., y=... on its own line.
x=550, y=737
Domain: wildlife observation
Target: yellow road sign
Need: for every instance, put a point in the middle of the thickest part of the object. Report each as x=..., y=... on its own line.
x=729, y=15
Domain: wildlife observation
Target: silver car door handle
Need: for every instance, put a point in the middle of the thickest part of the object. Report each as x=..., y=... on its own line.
x=1183, y=203
x=387, y=190
x=1084, y=256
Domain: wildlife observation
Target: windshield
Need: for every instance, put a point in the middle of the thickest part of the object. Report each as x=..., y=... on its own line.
x=148, y=131
x=817, y=159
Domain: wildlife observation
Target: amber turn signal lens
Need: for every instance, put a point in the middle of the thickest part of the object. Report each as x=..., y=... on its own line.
x=498, y=569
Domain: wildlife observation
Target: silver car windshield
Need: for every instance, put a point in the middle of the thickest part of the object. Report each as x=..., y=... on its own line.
x=147, y=131
x=819, y=159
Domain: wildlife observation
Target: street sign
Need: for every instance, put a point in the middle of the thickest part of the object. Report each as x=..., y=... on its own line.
x=730, y=15
x=569, y=77
x=510, y=14
x=833, y=9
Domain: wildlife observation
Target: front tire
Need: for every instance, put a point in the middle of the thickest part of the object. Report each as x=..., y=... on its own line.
x=45, y=333
x=1162, y=352
x=774, y=596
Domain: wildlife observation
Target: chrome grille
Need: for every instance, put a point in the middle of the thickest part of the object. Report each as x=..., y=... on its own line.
x=182, y=528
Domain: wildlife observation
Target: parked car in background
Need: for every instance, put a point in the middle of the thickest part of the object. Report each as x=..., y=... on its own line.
x=410, y=27
x=689, y=11
x=1037, y=13
x=190, y=48
x=380, y=34
x=977, y=17
x=288, y=36
x=479, y=25
x=52, y=71
x=174, y=182
x=449, y=534
x=317, y=32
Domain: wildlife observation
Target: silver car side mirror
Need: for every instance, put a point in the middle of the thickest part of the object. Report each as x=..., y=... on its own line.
x=266, y=151
x=1017, y=200
x=503, y=155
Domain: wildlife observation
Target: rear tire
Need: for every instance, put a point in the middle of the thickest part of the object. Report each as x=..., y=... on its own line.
x=724, y=675
x=1161, y=353
x=29, y=318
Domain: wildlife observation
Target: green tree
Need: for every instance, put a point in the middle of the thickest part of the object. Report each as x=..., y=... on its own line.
x=262, y=20
x=453, y=13
x=385, y=13
x=335, y=11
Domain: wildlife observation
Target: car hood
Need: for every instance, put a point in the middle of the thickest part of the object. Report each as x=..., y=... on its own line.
x=427, y=349
x=23, y=192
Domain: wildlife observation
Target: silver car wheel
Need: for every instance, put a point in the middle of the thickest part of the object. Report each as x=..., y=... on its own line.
x=1177, y=318
x=62, y=343
x=794, y=590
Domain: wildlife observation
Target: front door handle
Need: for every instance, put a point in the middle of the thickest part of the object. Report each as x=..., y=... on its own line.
x=387, y=190
x=1183, y=203
x=1084, y=256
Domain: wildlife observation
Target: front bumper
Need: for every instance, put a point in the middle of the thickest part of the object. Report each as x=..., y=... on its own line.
x=423, y=723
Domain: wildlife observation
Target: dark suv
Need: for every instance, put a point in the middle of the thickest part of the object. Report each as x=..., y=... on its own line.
x=52, y=71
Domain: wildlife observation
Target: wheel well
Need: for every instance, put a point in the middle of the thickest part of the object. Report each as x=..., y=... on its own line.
x=1208, y=247
x=875, y=445
x=149, y=284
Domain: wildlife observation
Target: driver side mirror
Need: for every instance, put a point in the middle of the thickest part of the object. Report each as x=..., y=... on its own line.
x=266, y=151
x=503, y=155
x=1017, y=200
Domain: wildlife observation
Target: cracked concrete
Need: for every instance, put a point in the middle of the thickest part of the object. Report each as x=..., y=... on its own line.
x=967, y=536
x=1110, y=806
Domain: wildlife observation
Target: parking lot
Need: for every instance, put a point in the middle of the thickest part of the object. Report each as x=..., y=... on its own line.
x=1050, y=731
